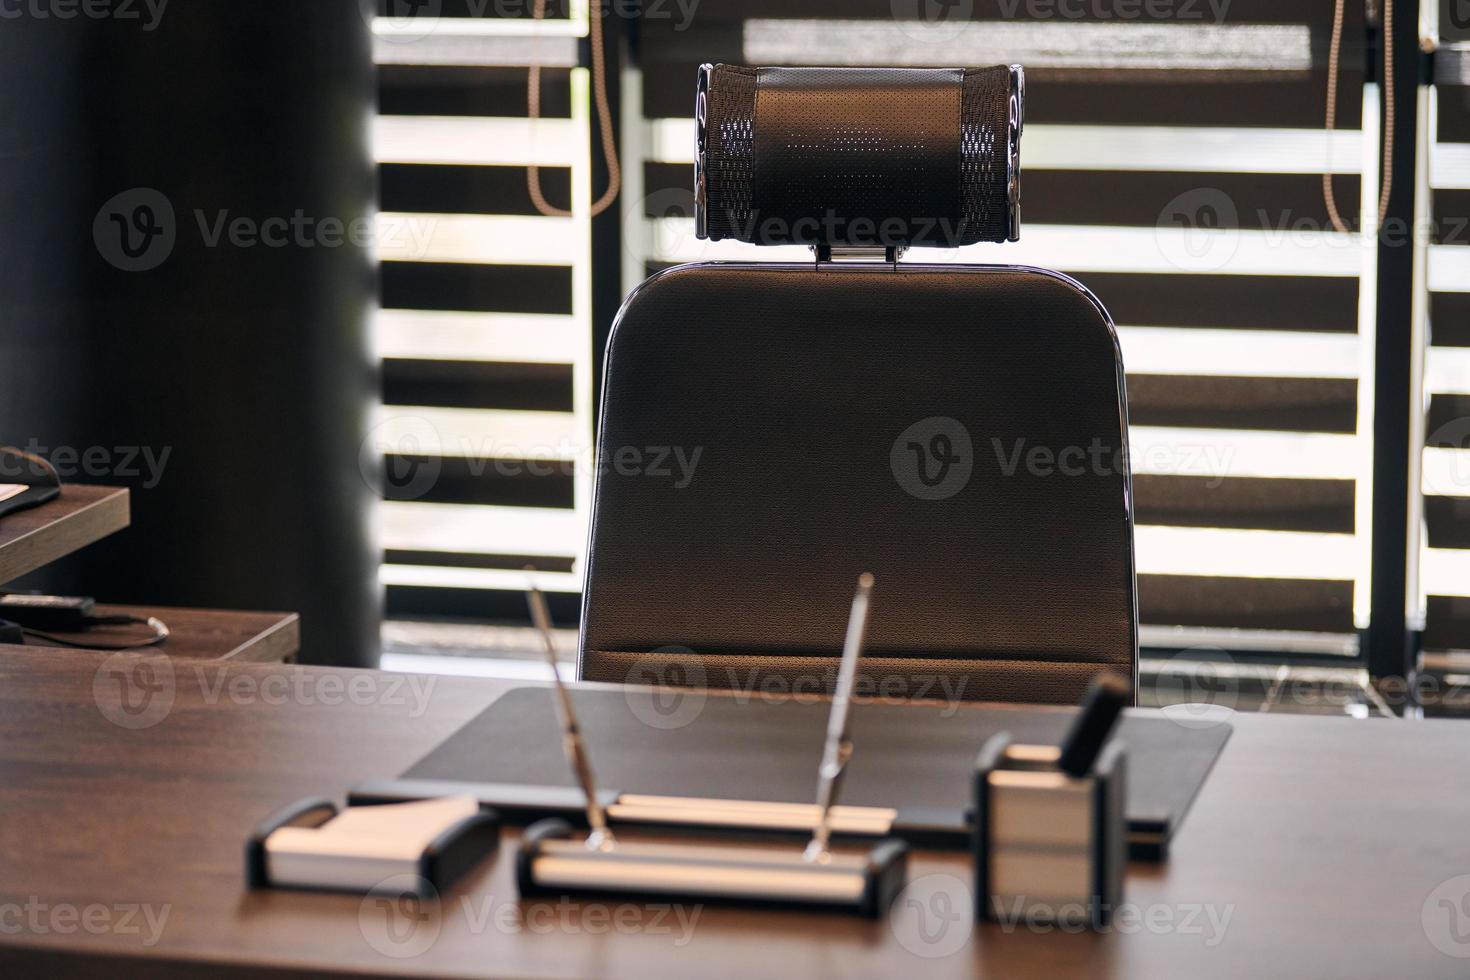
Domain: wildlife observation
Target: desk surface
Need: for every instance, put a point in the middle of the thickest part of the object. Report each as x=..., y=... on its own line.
x=199, y=634
x=1320, y=839
x=82, y=515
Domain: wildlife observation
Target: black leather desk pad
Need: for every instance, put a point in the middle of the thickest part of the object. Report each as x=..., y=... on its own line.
x=907, y=756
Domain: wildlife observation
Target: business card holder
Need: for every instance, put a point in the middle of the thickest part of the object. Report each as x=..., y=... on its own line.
x=338, y=866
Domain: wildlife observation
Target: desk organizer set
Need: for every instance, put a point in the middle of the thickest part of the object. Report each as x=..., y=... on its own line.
x=1048, y=837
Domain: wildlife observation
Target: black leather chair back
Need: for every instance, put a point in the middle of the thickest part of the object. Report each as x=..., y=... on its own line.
x=771, y=431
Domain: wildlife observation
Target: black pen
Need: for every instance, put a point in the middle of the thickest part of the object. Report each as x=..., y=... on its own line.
x=1105, y=701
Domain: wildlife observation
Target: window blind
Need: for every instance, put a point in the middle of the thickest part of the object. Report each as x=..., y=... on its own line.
x=1173, y=167
x=1170, y=164
x=1444, y=584
x=484, y=332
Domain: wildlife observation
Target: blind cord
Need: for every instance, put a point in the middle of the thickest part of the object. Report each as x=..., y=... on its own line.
x=1334, y=57
x=604, y=112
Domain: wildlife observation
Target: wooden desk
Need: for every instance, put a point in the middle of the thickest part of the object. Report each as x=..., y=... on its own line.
x=1320, y=838
x=30, y=539
x=201, y=634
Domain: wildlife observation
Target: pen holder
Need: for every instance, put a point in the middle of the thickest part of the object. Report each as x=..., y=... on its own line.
x=1049, y=847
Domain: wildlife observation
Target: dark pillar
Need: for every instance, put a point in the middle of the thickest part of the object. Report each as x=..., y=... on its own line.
x=1391, y=644
x=227, y=380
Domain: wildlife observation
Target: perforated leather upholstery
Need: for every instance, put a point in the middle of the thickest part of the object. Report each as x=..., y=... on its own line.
x=859, y=156
x=818, y=409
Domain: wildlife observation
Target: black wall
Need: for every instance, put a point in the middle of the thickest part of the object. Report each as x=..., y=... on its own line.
x=248, y=364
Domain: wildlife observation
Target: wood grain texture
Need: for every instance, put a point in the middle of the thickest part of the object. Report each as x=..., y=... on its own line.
x=30, y=539
x=201, y=634
x=1320, y=839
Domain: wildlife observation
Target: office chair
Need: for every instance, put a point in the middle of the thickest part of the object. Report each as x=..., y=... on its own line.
x=957, y=430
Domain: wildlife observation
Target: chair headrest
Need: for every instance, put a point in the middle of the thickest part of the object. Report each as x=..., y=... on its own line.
x=866, y=157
